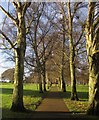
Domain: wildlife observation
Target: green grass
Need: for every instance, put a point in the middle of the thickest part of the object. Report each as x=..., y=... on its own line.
x=77, y=106
x=31, y=95
x=31, y=98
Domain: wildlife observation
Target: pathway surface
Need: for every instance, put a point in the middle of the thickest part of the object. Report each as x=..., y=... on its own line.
x=52, y=102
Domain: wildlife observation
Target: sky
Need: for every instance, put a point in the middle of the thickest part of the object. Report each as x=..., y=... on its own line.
x=4, y=64
x=1, y=56
x=1, y=63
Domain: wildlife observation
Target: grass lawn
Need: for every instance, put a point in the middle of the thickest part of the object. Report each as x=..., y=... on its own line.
x=31, y=99
x=77, y=106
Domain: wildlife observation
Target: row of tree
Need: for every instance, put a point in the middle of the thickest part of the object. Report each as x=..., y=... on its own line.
x=50, y=37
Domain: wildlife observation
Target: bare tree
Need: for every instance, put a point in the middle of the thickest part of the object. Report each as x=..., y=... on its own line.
x=19, y=50
x=73, y=8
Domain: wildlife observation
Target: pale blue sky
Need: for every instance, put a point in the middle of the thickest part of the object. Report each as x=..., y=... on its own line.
x=3, y=63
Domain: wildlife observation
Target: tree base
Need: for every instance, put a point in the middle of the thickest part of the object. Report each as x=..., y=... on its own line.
x=18, y=108
x=63, y=90
x=93, y=110
x=90, y=112
x=40, y=91
x=74, y=98
x=45, y=90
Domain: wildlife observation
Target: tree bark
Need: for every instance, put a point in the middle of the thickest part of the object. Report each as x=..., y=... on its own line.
x=63, y=86
x=93, y=85
x=40, y=80
x=44, y=76
x=44, y=66
x=37, y=59
x=17, y=102
x=39, y=71
x=92, y=45
x=19, y=49
x=72, y=57
x=72, y=71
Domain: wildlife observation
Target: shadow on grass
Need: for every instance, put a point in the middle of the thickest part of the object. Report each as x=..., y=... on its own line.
x=33, y=93
x=83, y=96
x=6, y=90
x=52, y=95
x=32, y=115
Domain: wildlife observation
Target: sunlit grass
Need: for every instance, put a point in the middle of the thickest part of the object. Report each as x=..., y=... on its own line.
x=31, y=99
x=77, y=106
x=31, y=95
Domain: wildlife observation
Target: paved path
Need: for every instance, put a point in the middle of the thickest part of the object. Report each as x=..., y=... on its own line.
x=52, y=102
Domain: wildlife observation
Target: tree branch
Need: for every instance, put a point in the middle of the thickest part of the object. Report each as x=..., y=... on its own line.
x=15, y=4
x=96, y=23
x=95, y=52
x=8, y=15
x=25, y=6
x=9, y=41
x=79, y=53
x=78, y=39
x=75, y=9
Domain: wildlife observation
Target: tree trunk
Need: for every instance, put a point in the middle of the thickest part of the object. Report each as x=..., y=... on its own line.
x=72, y=72
x=44, y=76
x=92, y=45
x=40, y=83
x=63, y=57
x=93, y=85
x=17, y=102
x=63, y=82
x=72, y=56
x=37, y=60
x=59, y=82
x=44, y=66
x=39, y=78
